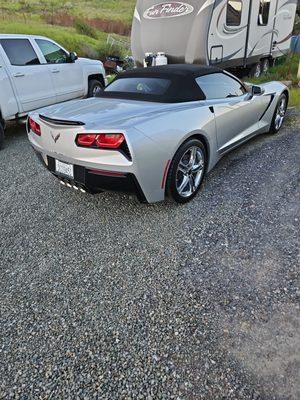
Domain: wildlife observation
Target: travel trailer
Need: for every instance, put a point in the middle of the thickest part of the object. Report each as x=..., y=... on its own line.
x=229, y=33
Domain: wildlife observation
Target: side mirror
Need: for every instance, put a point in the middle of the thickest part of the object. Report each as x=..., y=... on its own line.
x=257, y=91
x=73, y=57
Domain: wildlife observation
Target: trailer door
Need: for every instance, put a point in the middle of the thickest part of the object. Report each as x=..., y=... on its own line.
x=260, y=34
x=227, y=32
x=283, y=26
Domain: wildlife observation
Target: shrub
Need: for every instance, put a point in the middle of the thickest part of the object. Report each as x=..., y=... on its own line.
x=84, y=29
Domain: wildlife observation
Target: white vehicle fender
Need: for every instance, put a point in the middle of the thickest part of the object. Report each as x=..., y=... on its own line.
x=91, y=70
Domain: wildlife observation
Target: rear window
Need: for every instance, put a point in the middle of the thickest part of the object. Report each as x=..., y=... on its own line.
x=145, y=86
x=19, y=52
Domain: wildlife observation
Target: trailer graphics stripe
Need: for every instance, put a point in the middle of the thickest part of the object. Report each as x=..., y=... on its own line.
x=168, y=10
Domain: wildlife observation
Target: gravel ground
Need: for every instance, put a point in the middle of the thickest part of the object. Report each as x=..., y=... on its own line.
x=102, y=297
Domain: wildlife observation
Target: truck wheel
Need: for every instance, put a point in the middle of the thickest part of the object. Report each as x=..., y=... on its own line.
x=256, y=70
x=1, y=135
x=94, y=88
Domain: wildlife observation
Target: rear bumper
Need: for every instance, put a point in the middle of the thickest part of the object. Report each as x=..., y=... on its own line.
x=96, y=181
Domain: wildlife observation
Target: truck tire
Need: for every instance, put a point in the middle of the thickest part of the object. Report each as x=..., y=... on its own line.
x=1, y=135
x=94, y=87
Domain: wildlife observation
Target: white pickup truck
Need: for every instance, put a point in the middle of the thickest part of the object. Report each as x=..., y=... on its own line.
x=36, y=71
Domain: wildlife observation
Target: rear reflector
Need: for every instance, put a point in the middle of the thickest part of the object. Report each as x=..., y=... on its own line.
x=107, y=173
x=34, y=126
x=100, y=140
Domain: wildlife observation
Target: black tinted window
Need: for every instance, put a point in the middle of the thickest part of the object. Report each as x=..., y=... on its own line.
x=19, y=51
x=264, y=9
x=52, y=53
x=219, y=86
x=151, y=86
x=234, y=12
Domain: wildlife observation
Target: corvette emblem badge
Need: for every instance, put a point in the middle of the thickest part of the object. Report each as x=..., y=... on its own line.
x=55, y=137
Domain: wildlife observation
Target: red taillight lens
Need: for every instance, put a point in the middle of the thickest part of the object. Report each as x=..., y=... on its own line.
x=109, y=141
x=34, y=126
x=101, y=140
x=85, y=140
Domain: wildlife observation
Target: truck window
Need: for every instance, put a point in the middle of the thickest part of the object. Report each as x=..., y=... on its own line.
x=263, y=14
x=19, y=52
x=220, y=86
x=52, y=53
x=234, y=12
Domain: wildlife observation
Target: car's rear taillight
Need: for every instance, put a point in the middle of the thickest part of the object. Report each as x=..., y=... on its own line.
x=34, y=126
x=100, y=140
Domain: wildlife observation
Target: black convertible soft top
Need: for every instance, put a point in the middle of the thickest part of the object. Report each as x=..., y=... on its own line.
x=183, y=86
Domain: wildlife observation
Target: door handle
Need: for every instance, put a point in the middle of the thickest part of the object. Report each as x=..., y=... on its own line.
x=19, y=75
x=55, y=71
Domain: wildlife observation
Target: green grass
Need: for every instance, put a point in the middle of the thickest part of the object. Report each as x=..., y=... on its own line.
x=116, y=10
x=295, y=97
x=285, y=70
x=67, y=37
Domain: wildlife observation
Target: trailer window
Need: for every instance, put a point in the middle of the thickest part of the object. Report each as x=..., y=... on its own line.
x=234, y=12
x=264, y=10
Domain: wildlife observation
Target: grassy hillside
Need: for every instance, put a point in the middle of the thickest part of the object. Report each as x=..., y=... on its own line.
x=45, y=17
x=116, y=10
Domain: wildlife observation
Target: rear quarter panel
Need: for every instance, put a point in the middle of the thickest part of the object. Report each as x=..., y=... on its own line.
x=170, y=128
x=163, y=134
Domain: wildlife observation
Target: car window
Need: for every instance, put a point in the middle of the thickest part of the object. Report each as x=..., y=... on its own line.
x=153, y=86
x=219, y=86
x=19, y=52
x=52, y=53
x=234, y=12
x=263, y=14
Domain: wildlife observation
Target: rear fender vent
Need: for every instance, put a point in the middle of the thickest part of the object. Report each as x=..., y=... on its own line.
x=125, y=150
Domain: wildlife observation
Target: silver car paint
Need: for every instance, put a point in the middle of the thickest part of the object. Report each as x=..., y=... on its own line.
x=154, y=131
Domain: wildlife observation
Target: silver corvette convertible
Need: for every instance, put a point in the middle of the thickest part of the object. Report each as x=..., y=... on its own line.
x=155, y=131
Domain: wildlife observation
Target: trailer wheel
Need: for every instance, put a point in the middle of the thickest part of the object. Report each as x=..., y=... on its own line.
x=256, y=69
x=265, y=65
x=1, y=135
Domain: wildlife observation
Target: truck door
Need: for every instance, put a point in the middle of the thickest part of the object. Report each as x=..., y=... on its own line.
x=236, y=113
x=8, y=102
x=32, y=81
x=67, y=76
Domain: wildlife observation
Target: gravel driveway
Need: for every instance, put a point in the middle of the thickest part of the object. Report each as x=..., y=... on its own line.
x=102, y=297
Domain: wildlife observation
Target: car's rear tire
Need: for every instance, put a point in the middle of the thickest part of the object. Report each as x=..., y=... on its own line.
x=279, y=114
x=95, y=87
x=187, y=171
x=1, y=135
